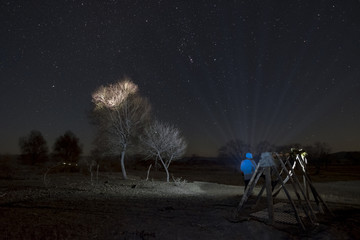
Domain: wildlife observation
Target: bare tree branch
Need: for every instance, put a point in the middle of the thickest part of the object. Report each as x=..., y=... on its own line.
x=121, y=114
x=163, y=141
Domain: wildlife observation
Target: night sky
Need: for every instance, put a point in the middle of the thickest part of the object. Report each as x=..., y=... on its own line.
x=281, y=71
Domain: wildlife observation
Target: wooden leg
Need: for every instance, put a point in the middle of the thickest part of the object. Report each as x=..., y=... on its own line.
x=269, y=195
x=296, y=184
x=258, y=197
x=291, y=201
x=249, y=189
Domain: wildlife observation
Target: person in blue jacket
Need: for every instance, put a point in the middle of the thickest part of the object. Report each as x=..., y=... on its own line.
x=247, y=167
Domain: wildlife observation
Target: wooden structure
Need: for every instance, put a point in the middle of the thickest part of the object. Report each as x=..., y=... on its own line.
x=268, y=167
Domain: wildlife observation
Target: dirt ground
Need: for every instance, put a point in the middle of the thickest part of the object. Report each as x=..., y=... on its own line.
x=70, y=207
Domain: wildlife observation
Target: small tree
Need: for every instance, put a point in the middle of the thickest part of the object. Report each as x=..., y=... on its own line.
x=287, y=148
x=33, y=148
x=164, y=142
x=67, y=148
x=234, y=150
x=120, y=114
x=318, y=154
x=263, y=146
x=97, y=156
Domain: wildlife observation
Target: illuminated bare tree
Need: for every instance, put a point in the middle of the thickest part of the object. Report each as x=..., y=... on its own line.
x=120, y=114
x=164, y=142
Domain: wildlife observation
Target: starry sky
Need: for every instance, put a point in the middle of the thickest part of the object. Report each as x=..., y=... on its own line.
x=281, y=71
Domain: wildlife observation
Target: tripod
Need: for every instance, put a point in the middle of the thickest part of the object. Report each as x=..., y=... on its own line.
x=268, y=167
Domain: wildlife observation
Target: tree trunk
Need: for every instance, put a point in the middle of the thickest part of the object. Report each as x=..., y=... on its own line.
x=166, y=169
x=148, y=172
x=123, y=165
x=97, y=173
x=91, y=174
x=168, y=163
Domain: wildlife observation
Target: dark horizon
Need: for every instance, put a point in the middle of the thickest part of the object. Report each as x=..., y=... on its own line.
x=187, y=155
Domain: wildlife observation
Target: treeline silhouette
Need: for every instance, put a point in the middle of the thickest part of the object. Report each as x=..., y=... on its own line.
x=35, y=151
x=318, y=153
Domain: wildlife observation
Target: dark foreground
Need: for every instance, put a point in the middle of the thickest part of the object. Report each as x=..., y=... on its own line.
x=137, y=209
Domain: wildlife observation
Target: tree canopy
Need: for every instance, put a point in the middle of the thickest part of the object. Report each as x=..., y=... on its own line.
x=67, y=148
x=33, y=148
x=120, y=114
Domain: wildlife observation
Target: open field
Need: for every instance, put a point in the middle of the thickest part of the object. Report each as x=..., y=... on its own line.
x=70, y=207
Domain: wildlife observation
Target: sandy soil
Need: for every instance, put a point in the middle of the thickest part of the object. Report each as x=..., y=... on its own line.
x=69, y=207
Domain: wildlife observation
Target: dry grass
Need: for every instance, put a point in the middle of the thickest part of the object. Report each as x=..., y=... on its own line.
x=70, y=207
x=226, y=175
x=336, y=173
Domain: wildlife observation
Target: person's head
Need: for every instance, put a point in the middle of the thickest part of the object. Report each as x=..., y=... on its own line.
x=248, y=155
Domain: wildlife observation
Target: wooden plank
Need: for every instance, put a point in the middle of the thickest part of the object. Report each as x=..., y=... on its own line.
x=259, y=197
x=269, y=195
x=291, y=201
x=283, y=213
x=249, y=189
x=296, y=185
